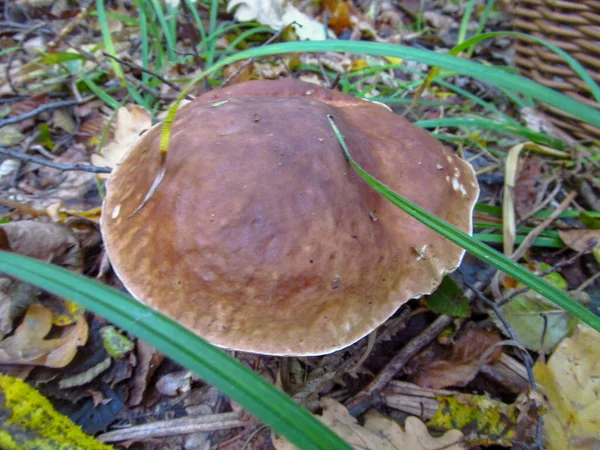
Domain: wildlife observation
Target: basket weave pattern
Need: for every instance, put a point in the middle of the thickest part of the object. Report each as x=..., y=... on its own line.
x=575, y=28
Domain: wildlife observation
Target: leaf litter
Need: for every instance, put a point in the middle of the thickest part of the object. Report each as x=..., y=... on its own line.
x=143, y=385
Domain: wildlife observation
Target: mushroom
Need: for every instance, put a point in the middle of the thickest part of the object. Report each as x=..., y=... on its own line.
x=262, y=238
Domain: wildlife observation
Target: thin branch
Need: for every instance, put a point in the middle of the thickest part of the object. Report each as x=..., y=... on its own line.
x=548, y=271
x=41, y=109
x=43, y=162
x=149, y=72
x=527, y=359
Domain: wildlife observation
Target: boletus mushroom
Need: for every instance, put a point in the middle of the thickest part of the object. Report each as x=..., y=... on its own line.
x=262, y=238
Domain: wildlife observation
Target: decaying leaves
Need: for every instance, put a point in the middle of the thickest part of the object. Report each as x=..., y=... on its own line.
x=28, y=346
x=50, y=242
x=279, y=14
x=581, y=240
x=379, y=432
x=42, y=240
x=472, y=350
x=571, y=382
x=130, y=123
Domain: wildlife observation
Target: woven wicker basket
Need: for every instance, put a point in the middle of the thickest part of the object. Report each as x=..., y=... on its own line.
x=574, y=26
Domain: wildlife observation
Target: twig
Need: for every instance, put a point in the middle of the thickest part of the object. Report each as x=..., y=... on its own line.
x=530, y=239
x=149, y=72
x=41, y=109
x=556, y=267
x=43, y=162
x=357, y=404
x=174, y=427
x=527, y=360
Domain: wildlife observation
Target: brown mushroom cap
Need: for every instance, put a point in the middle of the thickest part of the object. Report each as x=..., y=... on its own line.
x=262, y=238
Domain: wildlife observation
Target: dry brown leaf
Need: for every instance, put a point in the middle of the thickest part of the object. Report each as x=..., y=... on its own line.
x=529, y=185
x=148, y=361
x=472, y=350
x=571, y=382
x=131, y=122
x=28, y=346
x=379, y=432
x=42, y=240
x=579, y=239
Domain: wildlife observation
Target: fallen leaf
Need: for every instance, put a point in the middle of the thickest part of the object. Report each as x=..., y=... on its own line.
x=580, y=240
x=15, y=297
x=115, y=343
x=449, y=299
x=379, y=432
x=537, y=322
x=41, y=240
x=472, y=350
x=28, y=346
x=131, y=122
x=529, y=184
x=279, y=14
x=63, y=120
x=175, y=383
x=571, y=382
x=148, y=361
x=10, y=135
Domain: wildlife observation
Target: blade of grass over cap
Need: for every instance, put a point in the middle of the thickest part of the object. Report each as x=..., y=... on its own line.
x=241, y=384
x=471, y=245
x=492, y=75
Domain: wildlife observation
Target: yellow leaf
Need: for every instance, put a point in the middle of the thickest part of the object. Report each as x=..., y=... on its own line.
x=571, y=382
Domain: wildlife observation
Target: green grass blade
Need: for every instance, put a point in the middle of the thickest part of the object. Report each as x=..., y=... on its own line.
x=225, y=373
x=212, y=27
x=494, y=125
x=473, y=246
x=169, y=38
x=107, y=38
x=572, y=62
x=100, y=92
x=491, y=75
x=464, y=23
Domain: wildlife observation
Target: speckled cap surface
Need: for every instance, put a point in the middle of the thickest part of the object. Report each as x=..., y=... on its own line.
x=262, y=238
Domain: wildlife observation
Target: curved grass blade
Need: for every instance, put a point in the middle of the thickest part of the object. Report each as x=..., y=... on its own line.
x=476, y=248
x=213, y=365
x=494, y=125
x=490, y=74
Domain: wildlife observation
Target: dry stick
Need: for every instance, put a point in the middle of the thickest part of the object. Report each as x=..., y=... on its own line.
x=41, y=109
x=530, y=238
x=363, y=400
x=149, y=72
x=527, y=360
x=552, y=269
x=174, y=427
x=43, y=162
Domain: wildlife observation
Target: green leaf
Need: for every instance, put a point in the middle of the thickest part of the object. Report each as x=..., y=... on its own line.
x=50, y=59
x=449, y=299
x=590, y=222
x=210, y=363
